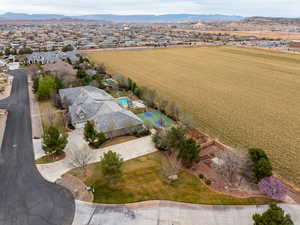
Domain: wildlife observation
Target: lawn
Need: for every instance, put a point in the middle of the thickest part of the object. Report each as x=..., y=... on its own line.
x=51, y=115
x=245, y=97
x=142, y=180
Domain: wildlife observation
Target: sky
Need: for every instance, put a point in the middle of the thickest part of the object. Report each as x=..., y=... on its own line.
x=278, y=8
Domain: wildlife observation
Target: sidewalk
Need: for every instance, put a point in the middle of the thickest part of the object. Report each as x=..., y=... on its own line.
x=127, y=150
x=37, y=129
x=171, y=213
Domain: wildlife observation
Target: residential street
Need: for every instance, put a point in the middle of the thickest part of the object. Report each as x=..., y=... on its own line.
x=25, y=197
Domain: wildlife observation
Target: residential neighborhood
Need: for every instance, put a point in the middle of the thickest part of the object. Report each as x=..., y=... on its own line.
x=164, y=122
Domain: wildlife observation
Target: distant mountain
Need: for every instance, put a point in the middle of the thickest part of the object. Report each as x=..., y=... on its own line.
x=160, y=18
x=123, y=18
x=24, y=16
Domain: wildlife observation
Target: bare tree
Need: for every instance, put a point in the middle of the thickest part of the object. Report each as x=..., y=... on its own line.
x=187, y=121
x=229, y=165
x=172, y=167
x=80, y=156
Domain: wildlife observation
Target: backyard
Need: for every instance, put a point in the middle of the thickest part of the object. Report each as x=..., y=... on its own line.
x=142, y=180
x=245, y=97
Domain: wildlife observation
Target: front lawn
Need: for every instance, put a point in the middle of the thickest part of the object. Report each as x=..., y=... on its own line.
x=142, y=180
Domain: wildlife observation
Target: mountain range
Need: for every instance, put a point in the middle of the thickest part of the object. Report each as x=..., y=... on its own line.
x=123, y=18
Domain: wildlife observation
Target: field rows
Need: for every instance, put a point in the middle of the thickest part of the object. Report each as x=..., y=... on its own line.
x=244, y=97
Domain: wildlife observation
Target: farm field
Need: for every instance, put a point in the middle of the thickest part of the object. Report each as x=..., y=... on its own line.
x=244, y=97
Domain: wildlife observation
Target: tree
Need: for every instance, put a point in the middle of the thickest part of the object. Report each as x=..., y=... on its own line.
x=92, y=136
x=189, y=152
x=262, y=168
x=262, y=164
x=111, y=164
x=7, y=51
x=54, y=141
x=273, y=188
x=90, y=133
x=46, y=87
x=25, y=50
x=230, y=167
x=273, y=216
x=80, y=156
x=67, y=48
x=175, y=138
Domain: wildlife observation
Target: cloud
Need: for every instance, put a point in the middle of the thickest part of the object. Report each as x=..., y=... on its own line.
x=288, y=8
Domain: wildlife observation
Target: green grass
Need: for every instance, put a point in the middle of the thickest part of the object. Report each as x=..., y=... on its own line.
x=142, y=180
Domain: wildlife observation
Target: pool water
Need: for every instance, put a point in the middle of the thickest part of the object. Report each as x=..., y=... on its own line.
x=123, y=101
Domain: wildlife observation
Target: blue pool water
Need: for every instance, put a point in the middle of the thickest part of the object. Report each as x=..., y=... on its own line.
x=123, y=101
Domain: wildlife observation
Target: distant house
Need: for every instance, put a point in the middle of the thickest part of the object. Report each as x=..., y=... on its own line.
x=51, y=57
x=90, y=103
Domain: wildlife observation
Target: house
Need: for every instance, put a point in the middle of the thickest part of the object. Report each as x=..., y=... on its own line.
x=90, y=103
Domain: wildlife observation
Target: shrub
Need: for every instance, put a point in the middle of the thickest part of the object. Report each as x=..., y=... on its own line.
x=111, y=164
x=273, y=188
x=201, y=176
x=273, y=216
x=207, y=182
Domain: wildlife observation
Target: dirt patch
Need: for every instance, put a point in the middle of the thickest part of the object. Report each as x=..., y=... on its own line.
x=77, y=187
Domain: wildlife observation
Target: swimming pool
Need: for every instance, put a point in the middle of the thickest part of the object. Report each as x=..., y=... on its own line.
x=124, y=101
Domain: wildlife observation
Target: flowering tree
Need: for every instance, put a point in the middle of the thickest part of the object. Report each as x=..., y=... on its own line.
x=273, y=188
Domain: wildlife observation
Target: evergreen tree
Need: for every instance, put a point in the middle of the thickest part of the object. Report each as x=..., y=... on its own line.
x=54, y=141
x=111, y=164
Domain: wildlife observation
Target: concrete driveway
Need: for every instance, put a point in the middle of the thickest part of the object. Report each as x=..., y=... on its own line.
x=127, y=150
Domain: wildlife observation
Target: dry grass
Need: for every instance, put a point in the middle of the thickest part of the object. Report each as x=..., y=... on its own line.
x=51, y=115
x=245, y=97
x=142, y=180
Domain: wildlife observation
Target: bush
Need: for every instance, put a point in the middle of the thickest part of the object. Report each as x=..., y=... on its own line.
x=273, y=188
x=273, y=216
x=207, y=181
x=111, y=164
x=201, y=176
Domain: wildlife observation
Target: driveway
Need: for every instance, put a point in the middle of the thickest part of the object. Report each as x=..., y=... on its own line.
x=26, y=198
x=127, y=150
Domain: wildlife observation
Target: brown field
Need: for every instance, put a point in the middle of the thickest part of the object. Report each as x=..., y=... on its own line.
x=245, y=97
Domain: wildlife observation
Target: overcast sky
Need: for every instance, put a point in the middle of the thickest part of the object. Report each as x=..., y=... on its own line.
x=286, y=8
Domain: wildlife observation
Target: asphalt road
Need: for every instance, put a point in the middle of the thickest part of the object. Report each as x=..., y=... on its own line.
x=25, y=197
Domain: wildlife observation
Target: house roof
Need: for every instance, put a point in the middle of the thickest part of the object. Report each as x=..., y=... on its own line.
x=90, y=103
